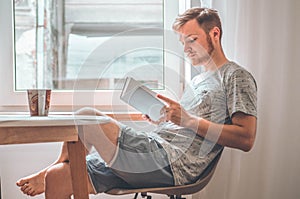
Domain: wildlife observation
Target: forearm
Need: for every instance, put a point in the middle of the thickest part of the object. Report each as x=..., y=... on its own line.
x=235, y=135
x=240, y=134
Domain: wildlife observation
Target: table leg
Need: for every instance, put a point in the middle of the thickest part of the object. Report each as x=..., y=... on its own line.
x=76, y=151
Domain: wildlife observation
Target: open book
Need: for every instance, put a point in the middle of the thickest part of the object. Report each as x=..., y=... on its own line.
x=141, y=98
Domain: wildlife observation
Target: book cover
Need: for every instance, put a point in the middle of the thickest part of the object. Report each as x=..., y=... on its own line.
x=141, y=98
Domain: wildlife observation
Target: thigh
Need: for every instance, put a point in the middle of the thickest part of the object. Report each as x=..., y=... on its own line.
x=141, y=161
x=103, y=137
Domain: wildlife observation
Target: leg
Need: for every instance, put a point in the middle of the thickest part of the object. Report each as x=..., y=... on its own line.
x=34, y=184
x=58, y=183
x=103, y=136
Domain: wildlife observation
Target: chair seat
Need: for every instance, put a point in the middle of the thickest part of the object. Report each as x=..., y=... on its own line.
x=175, y=190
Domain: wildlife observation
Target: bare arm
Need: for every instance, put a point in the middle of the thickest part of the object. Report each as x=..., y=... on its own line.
x=240, y=134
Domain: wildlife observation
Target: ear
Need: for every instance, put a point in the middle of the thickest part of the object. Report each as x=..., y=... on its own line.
x=215, y=33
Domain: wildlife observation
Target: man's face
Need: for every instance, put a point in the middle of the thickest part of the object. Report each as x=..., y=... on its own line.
x=197, y=44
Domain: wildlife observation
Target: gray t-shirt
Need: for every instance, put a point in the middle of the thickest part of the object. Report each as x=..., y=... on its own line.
x=214, y=96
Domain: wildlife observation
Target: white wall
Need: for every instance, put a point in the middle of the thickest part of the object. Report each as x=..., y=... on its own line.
x=264, y=37
x=17, y=161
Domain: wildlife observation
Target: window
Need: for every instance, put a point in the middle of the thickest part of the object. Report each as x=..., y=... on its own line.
x=89, y=43
x=90, y=46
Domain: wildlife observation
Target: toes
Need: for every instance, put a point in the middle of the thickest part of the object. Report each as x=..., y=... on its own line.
x=24, y=187
x=27, y=190
x=21, y=182
x=32, y=185
x=31, y=192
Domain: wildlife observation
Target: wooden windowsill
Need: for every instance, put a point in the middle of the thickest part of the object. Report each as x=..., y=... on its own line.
x=126, y=116
x=120, y=116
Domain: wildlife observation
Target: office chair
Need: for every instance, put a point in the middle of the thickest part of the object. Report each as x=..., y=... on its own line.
x=174, y=192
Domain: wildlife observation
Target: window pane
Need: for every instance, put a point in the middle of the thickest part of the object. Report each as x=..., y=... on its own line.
x=95, y=44
x=98, y=62
x=25, y=45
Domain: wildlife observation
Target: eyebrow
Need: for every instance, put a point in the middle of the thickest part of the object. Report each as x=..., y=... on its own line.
x=183, y=36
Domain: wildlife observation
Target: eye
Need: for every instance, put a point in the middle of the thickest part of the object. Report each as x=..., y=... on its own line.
x=192, y=39
x=189, y=40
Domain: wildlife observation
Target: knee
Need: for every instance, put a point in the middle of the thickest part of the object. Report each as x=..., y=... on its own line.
x=56, y=176
x=58, y=181
x=104, y=129
x=51, y=177
x=88, y=111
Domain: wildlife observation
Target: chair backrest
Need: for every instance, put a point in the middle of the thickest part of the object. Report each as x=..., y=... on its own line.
x=175, y=190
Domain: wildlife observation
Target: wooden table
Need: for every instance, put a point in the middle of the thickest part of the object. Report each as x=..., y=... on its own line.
x=20, y=129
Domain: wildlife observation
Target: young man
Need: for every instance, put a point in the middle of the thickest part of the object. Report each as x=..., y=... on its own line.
x=217, y=109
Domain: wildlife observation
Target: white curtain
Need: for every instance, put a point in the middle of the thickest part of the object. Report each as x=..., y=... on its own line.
x=263, y=36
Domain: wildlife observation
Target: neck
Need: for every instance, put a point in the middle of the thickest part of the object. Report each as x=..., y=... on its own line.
x=218, y=59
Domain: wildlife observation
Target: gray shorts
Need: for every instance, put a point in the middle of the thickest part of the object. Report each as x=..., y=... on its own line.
x=140, y=162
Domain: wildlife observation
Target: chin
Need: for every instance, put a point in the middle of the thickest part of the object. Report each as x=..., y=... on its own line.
x=201, y=61
x=194, y=62
x=197, y=63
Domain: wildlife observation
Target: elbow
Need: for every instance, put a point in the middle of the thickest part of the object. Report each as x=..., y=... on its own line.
x=248, y=142
x=245, y=131
x=248, y=145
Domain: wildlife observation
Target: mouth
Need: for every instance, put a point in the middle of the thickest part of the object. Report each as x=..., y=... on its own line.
x=191, y=55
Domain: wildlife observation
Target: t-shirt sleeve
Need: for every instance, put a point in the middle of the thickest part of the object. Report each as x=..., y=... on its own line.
x=241, y=92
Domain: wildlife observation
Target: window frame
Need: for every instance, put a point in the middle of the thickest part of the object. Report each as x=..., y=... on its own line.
x=64, y=100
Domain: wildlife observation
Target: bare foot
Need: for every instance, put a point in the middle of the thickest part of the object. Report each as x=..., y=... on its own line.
x=32, y=185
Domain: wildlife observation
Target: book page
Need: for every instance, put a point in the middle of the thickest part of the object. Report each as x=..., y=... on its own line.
x=142, y=99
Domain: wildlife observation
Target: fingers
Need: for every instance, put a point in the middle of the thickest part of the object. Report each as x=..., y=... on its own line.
x=147, y=118
x=172, y=111
x=165, y=112
x=166, y=99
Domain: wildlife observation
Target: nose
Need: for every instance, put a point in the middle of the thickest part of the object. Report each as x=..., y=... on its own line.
x=187, y=48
